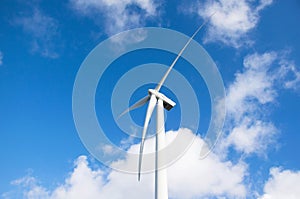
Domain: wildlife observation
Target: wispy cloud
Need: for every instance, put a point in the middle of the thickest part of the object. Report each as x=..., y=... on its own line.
x=289, y=74
x=1, y=58
x=222, y=178
x=42, y=30
x=233, y=19
x=118, y=15
x=282, y=184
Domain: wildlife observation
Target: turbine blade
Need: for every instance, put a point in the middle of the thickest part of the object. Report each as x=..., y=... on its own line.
x=180, y=53
x=136, y=105
x=150, y=109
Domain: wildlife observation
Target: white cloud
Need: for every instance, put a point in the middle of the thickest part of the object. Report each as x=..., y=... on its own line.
x=282, y=184
x=255, y=87
x=43, y=31
x=252, y=136
x=118, y=15
x=1, y=58
x=251, y=90
x=222, y=178
x=290, y=75
x=233, y=19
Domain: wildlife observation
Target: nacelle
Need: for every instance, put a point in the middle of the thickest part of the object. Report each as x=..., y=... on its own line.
x=168, y=103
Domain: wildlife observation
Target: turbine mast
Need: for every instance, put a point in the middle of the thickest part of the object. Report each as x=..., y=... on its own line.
x=161, y=184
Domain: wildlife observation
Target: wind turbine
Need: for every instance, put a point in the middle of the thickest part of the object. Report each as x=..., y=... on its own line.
x=155, y=98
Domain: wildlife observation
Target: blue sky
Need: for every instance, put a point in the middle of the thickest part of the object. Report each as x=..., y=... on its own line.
x=255, y=45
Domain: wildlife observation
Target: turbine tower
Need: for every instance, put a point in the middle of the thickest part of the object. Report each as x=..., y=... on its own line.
x=158, y=99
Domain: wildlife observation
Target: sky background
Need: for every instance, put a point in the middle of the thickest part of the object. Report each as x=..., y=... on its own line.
x=255, y=45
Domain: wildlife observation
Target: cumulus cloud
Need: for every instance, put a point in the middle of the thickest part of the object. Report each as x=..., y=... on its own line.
x=118, y=15
x=222, y=178
x=282, y=184
x=252, y=136
x=233, y=19
x=42, y=31
x=255, y=87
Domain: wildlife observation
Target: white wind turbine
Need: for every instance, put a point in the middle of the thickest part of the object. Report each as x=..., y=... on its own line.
x=156, y=98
